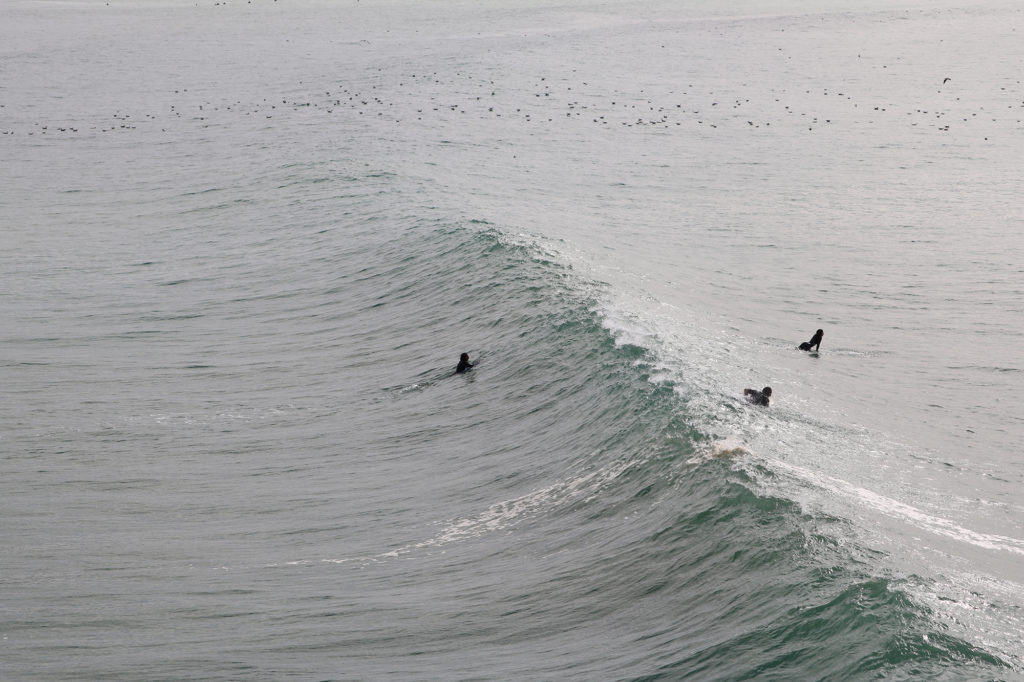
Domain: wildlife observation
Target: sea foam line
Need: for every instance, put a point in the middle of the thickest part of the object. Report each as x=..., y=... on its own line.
x=900, y=510
x=505, y=514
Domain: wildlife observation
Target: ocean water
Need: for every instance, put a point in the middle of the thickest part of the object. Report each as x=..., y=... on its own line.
x=244, y=245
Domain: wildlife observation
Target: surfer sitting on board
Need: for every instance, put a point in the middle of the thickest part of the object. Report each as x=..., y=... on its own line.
x=464, y=363
x=758, y=397
x=814, y=343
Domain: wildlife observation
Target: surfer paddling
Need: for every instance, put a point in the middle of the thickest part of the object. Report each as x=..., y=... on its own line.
x=758, y=397
x=814, y=343
x=464, y=364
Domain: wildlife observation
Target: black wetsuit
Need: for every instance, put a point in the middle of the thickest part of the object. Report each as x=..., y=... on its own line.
x=756, y=397
x=814, y=343
x=463, y=366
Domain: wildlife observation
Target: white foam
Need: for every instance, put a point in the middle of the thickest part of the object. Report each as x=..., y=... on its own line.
x=507, y=513
x=914, y=516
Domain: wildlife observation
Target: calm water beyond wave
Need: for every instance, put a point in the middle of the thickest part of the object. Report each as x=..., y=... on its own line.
x=244, y=245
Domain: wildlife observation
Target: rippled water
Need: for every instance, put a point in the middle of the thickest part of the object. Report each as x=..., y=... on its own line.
x=244, y=245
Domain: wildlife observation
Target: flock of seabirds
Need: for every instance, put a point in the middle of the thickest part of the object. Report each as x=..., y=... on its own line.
x=399, y=97
x=754, y=396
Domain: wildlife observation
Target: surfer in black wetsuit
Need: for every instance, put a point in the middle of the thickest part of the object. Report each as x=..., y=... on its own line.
x=758, y=397
x=464, y=364
x=814, y=343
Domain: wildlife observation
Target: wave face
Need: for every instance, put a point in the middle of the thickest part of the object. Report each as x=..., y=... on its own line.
x=602, y=532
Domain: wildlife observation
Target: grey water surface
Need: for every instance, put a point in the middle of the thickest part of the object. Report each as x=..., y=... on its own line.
x=244, y=244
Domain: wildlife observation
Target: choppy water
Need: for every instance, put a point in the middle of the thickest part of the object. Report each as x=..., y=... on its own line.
x=244, y=245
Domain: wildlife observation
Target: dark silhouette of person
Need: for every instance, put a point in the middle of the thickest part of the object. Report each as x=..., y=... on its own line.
x=758, y=397
x=464, y=364
x=814, y=343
